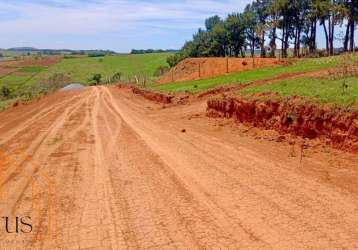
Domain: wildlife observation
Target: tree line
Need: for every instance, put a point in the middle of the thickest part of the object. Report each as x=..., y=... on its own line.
x=265, y=25
x=150, y=51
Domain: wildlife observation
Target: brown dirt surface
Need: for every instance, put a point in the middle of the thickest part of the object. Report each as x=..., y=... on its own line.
x=43, y=61
x=6, y=71
x=202, y=68
x=122, y=174
x=152, y=95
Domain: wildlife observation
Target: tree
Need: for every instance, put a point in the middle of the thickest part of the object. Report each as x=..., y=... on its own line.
x=219, y=41
x=211, y=22
x=274, y=8
x=250, y=23
x=332, y=12
x=235, y=34
x=352, y=19
x=292, y=22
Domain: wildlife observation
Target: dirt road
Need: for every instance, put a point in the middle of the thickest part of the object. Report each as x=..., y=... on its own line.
x=109, y=170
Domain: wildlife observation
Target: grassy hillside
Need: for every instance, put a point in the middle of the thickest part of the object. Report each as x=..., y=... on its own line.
x=81, y=69
x=304, y=65
x=325, y=90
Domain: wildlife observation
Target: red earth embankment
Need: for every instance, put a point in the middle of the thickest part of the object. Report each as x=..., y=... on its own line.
x=151, y=95
x=337, y=126
x=202, y=68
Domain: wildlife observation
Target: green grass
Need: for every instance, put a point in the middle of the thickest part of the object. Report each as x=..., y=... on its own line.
x=81, y=69
x=304, y=65
x=14, y=82
x=32, y=69
x=323, y=90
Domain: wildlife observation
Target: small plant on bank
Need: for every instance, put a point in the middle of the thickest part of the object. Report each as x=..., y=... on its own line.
x=5, y=92
x=95, y=79
x=161, y=70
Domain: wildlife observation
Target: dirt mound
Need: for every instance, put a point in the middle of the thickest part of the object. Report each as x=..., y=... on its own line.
x=151, y=95
x=202, y=68
x=337, y=126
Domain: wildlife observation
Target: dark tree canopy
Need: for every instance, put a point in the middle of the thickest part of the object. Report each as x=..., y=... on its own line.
x=265, y=24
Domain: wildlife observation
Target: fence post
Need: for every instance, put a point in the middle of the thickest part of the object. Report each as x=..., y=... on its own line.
x=199, y=71
x=227, y=64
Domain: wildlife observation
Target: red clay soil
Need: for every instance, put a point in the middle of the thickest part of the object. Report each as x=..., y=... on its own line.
x=151, y=95
x=44, y=61
x=202, y=68
x=124, y=173
x=337, y=126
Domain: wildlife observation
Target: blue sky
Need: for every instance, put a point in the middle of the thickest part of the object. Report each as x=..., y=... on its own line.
x=119, y=25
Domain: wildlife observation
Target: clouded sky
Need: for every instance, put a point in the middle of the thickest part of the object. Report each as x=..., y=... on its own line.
x=106, y=24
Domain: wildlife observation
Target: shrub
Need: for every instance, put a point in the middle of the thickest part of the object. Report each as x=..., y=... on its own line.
x=5, y=91
x=56, y=81
x=173, y=60
x=95, y=79
x=96, y=54
x=116, y=77
x=161, y=70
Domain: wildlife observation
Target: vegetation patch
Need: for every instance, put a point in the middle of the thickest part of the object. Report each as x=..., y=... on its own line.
x=337, y=91
x=32, y=69
x=304, y=65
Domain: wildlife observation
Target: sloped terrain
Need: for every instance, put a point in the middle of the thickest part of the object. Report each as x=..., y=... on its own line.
x=203, y=68
x=336, y=126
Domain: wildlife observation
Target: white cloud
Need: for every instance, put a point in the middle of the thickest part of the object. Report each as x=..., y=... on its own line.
x=94, y=17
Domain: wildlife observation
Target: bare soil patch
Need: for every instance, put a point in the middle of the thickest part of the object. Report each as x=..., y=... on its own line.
x=202, y=68
x=44, y=61
x=149, y=94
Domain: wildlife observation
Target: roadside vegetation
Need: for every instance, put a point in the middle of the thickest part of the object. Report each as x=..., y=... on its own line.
x=324, y=90
x=304, y=65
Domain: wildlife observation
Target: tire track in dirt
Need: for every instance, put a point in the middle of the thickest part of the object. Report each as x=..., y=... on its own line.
x=125, y=177
x=265, y=191
x=33, y=143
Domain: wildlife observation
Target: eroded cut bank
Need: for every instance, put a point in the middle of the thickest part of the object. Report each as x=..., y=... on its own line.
x=149, y=94
x=336, y=126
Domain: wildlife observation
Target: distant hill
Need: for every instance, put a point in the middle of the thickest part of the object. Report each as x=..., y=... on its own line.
x=31, y=50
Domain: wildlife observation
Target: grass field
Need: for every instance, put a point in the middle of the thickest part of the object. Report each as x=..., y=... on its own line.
x=324, y=90
x=304, y=65
x=81, y=69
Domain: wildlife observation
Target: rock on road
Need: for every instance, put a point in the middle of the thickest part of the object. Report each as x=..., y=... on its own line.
x=99, y=168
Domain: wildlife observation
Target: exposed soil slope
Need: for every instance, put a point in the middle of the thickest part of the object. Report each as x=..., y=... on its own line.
x=338, y=126
x=128, y=174
x=202, y=68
